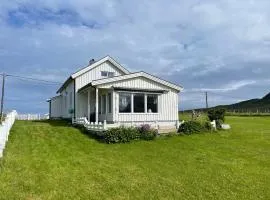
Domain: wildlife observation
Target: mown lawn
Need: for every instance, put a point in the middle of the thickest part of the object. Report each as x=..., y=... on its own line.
x=53, y=161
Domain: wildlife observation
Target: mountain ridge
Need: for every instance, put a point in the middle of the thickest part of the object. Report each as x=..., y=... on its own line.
x=253, y=105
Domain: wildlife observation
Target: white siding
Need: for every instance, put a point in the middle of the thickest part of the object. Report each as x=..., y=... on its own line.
x=67, y=101
x=167, y=110
x=56, y=107
x=167, y=102
x=95, y=74
x=138, y=83
x=87, y=78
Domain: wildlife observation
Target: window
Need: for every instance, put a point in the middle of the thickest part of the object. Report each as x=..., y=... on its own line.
x=124, y=102
x=99, y=105
x=110, y=103
x=107, y=74
x=152, y=103
x=138, y=103
x=110, y=74
x=103, y=106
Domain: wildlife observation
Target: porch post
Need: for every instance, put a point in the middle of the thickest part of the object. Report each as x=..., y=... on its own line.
x=96, y=105
x=88, y=103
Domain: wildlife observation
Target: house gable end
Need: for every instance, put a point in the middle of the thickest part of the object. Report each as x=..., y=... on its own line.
x=107, y=59
x=96, y=73
x=144, y=77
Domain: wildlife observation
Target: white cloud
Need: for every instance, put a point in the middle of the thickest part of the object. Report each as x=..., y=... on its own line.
x=186, y=41
x=234, y=85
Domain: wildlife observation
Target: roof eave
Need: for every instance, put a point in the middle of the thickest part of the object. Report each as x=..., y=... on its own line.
x=138, y=74
x=64, y=85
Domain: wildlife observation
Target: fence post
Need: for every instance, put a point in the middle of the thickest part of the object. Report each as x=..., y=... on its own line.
x=105, y=125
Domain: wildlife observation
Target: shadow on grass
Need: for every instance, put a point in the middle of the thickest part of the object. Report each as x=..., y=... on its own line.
x=63, y=123
x=96, y=135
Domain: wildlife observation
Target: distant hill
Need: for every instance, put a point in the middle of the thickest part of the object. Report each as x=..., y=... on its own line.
x=252, y=105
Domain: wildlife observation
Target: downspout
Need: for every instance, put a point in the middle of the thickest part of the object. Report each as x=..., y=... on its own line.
x=50, y=109
x=74, y=101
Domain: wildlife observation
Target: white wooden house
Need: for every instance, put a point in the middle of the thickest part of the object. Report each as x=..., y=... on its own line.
x=105, y=91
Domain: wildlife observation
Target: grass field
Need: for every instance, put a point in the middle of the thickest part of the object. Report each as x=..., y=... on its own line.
x=53, y=161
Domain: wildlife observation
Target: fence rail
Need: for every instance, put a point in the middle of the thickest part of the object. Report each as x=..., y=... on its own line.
x=5, y=129
x=90, y=125
x=31, y=117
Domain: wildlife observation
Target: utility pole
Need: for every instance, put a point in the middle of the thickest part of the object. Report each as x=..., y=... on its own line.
x=206, y=100
x=2, y=97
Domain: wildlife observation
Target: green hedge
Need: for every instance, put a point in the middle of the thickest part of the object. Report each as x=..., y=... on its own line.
x=127, y=134
x=191, y=127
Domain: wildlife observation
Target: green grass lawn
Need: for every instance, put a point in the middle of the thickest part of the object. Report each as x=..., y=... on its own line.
x=53, y=161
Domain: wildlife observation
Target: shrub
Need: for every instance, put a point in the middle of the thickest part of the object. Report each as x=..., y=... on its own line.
x=147, y=133
x=191, y=127
x=121, y=135
x=218, y=115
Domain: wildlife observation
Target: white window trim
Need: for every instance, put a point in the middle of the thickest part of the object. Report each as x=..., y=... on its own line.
x=145, y=104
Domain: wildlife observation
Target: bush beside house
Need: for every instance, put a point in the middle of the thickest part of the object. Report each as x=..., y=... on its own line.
x=124, y=134
x=193, y=126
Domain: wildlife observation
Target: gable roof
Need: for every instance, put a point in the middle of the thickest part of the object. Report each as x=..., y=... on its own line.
x=97, y=63
x=135, y=75
x=90, y=67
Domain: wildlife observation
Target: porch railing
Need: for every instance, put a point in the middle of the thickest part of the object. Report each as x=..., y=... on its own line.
x=90, y=125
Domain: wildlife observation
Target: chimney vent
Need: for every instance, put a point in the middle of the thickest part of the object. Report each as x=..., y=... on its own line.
x=91, y=61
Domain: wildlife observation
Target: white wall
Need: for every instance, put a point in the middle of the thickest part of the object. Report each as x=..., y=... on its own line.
x=95, y=74
x=167, y=102
x=56, y=107
x=87, y=78
x=67, y=102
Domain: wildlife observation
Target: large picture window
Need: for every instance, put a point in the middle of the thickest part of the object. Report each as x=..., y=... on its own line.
x=138, y=103
x=152, y=103
x=124, y=102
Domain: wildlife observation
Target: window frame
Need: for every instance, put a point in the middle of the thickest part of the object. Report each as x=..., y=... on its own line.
x=107, y=74
x=109, y=102
x=132, y=102
x=133, y=108
x=147, y=102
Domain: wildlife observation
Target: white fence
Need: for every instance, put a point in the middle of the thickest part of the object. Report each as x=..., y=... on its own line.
x=5, y=128
x=31, y=117
x=90, y=126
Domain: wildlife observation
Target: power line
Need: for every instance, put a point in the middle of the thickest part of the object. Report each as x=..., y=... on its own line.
x=30, y=78
x=203, y=92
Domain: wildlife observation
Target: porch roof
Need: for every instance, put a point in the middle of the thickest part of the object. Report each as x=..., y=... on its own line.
x=134, y=75
x=138, y=90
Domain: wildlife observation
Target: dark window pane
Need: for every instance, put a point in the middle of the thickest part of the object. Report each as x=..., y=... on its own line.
x=103, y=73
x=109, y=102
x=138, y=103
x=103, y=104
x=110, y=74
x=124, y=102
x=99, y=104
x=152, y=103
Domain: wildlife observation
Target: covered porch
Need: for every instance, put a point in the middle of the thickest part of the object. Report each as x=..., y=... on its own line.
x=95, y=104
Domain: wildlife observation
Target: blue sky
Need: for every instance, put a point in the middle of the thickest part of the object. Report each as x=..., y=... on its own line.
x=222, y=46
